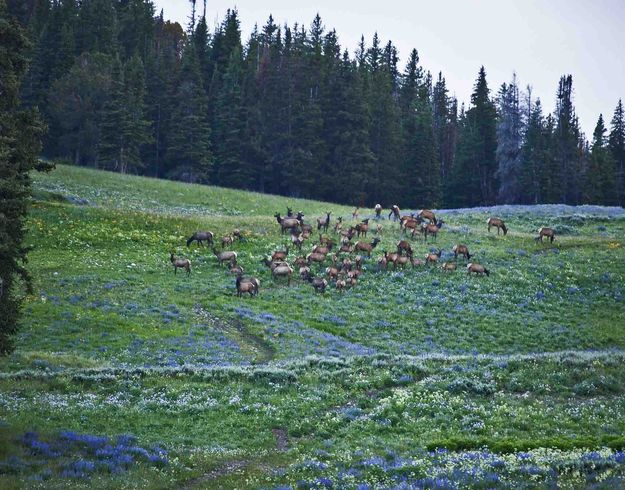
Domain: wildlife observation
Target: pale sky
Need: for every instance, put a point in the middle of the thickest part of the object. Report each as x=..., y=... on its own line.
x=540, y=40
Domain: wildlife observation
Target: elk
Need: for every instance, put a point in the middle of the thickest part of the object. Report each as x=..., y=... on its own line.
x=382, y=262
x=318, y=283
x=323, y=222
x=412, y=224
x=225, y=256
x=367, y=247
x=236, y=269
x=322, y=249
x=463, y=250
x=477, y=269
x=340, y=284
x=497, y=223
x=297, y=240
x=346, y=247
x=428, y=215
x=432, y=257
x=226, y=240
x=347, y=265
x=394, y=212
x=236, y=233
x=403, y=260
x=391, y=258
x=304, y=227
x=449, y=266
x=247, y=285
x=378, y=229
x=338, y=225
x=362, y=228
x=200, y=236
x=417, y=262
x=289, y=212
x=300, y=261
x=325, y=241
x=304, y=272
x=355, y=274
x=279, y=255
x=349, y=233
x=378, y=211
x=180, y=264
x=287, y=223
x=358, y=261
x=404, y=246
x=355, y=213
x=332, y=272
x=281, y=270
x=315, y=257
x=431, y=229
x=548, y=232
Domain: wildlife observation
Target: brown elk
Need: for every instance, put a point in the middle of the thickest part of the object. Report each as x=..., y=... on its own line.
x=338, y=225
x=412, y=224
x=304, y=272
x=332, y=272
x=463, y=250
x=280, y=255
x=326, y=240
x=497, y=223
x=200, y=237
x=394, y=212
x=282, y=270
x=323, y=222
x=449, y=266
x=297, y=240
x=355, y=213
x=287, y=223
x=304, y=226
x=378, y=211
x=378, y=229
x=349, y=233
x=322, y=249
x=548, y=232
x=300, y=261
x=404, y=246
x=432, y=257
x=391, y=258
x=346, y=247
x=247, y=285
x=236, y=269
x=347, y=265
x=315, y=257
x=226, y=240
x=431, y=229
x=180, y=264
x=477, y=269
x=428, y=215
x=236, y=233
x=358, y=262
x=367, y=247
x=403, y=260
x=417, y=262
x=340, y=284
x=226, y=256
x=318, y=283
x=362, y=228
x=382, y=262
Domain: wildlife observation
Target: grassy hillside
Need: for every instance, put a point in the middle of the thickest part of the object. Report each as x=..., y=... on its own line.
x=414, y=377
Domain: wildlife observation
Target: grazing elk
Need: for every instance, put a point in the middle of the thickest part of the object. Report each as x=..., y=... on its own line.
x=236, y=269
x=280, y=255
x=324, y=222
x=463, y=250
x=300, y=262
x=226, y=240
x=326, y=241
x=349, y=233
x=297, y=240
x=318, y=283
x=477, y=269
x=382, y=262
x=548, y=232
x=332, y=272
x=247, y=285
x=346, y=247
x=497, y=223
x=340, y=284
x=428, y=215
x=432, y=257
x=200, y=237
x=449, y=266
x=412, y=224
x=378, y=211
x=366, y=247
x=226, y=256
x=282, y=270
x=304, y=272
x=322, y=249
x=431, y=229
x=403, y=260
x=362, y=228
x=180, y=264
x=287, y=223
x=395, y=213
x=315, y=257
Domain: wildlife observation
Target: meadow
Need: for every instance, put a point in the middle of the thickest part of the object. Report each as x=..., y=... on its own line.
x=126, y=374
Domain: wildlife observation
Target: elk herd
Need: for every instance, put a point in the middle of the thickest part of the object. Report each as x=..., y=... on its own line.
x=338, y=260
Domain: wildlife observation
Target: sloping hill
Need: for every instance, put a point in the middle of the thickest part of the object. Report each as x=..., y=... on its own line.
x=355, y=387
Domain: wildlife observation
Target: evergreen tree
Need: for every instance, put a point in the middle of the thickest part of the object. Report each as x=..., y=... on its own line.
x=567, y=138
x=188, y=151
x=600, y=182
x=475, y=166
x=509, y=139
x=20, y=134
x=617, y=150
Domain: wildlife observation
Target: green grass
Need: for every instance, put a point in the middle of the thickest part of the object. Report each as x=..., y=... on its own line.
x=246, y=392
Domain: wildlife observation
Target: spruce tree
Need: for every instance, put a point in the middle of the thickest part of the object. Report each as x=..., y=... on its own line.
x=600, y=182
x=20, y=134
x=617, y=150
x=567, y=137
x=509, y=139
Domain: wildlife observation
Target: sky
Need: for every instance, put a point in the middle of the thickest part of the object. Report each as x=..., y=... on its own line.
x=539, y=40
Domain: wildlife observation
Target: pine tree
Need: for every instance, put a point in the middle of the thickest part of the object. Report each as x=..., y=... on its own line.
x=20, y=142
x=567, y=137
x=509, y=139
x=600, y=181
x=188, y=152
x=475, y=166
x=617, y=150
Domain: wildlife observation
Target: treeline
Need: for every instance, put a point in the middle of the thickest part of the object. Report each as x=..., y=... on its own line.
x=289, y=111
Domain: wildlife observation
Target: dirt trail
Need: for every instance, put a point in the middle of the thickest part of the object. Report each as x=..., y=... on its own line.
x=256, y=346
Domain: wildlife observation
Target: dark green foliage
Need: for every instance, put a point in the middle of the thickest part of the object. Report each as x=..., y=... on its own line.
x=600, y=182
x=20, y=133
x=289, y=112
